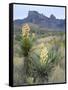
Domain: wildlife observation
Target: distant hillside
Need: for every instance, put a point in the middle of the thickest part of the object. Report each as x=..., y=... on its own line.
x=42, y=21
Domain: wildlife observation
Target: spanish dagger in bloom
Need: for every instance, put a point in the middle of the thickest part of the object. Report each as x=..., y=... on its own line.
x=25, y=30
x=43, y=53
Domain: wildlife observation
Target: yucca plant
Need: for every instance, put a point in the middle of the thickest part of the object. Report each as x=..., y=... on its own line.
x=43, y=61
x=26, y=44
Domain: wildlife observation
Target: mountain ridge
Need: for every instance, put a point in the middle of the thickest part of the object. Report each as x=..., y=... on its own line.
x=42, y=21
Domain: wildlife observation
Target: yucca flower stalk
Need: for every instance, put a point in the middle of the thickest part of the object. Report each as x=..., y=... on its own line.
x=43, y=54
x=25, y=30
x=27, y=39
x=43, y=60
x=27, y=42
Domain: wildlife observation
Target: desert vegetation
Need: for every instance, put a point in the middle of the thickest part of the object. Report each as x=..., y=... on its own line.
x=39, y=57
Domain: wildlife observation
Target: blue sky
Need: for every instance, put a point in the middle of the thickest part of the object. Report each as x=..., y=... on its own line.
x=21, y=11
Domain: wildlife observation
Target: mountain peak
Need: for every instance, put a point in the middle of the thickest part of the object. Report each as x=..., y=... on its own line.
x=30, y=13
x=52, y=17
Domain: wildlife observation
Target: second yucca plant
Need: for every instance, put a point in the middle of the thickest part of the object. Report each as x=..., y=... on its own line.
x=43, y=61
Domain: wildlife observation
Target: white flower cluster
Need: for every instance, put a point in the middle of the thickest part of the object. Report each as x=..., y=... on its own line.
x=43, y=53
